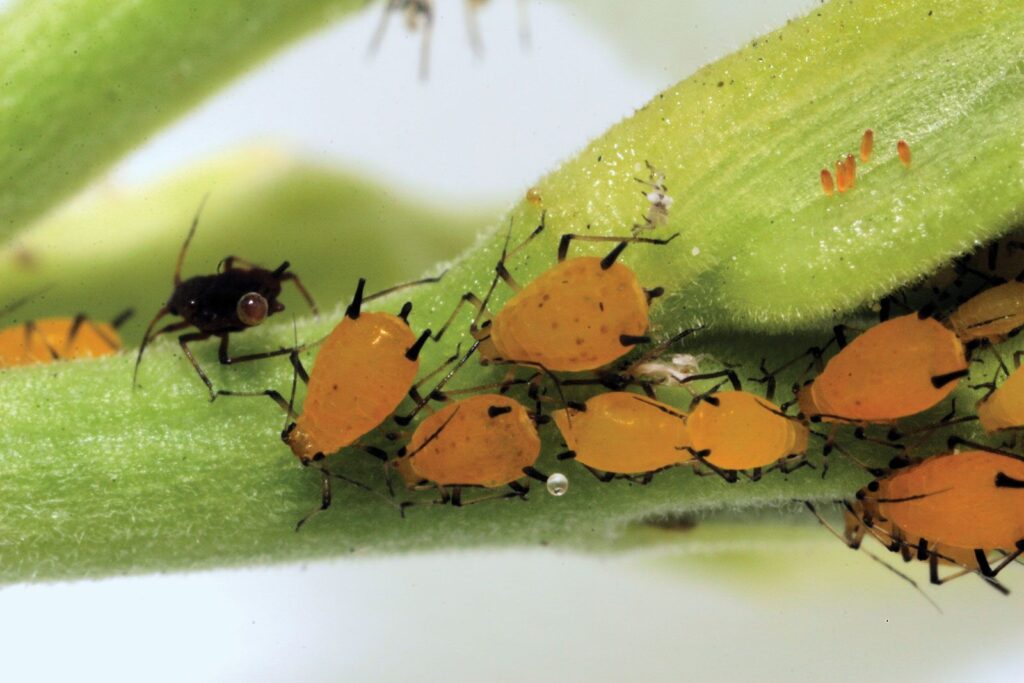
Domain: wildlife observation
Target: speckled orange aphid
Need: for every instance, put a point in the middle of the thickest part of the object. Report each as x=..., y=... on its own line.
x=52, y=339
x=899, y=367
x=363, y=370
x=578, y=315
x=957, y=508
x=736, y=431
x=487, y=441
x=621, y=433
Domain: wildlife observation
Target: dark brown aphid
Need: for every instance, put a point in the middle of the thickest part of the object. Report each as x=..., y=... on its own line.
x=238, y=296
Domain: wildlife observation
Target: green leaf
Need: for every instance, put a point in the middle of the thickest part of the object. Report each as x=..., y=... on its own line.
x=97, y=479
x=84, y=81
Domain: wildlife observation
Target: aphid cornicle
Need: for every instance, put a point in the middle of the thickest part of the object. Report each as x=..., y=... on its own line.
x=736, y=431
x=51, y=339
x=956, y=508
x=487, y=441
x=581, y=314
x=239, y=296
x=362, y=371
x=621, y=433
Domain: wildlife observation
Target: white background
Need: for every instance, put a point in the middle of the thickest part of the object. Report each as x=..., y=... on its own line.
x=479, y=132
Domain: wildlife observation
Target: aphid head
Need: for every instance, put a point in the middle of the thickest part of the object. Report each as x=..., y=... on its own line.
x=252, y=309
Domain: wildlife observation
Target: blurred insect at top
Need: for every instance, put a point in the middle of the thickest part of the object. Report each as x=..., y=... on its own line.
x=420, y=15
x=51, y=339
x=238, y=296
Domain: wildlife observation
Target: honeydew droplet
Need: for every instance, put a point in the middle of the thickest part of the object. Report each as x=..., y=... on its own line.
x=558, y=484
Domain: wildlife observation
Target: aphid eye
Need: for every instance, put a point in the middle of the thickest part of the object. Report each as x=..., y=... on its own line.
x=252, y=309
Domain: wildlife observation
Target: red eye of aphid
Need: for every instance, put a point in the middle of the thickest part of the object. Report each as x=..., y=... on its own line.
x=252, y=309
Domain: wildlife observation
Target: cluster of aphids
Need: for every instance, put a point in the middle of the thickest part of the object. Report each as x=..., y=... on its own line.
x=582, y=325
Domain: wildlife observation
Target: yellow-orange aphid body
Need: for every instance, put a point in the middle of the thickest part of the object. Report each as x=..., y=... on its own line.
x=903, y=151
x=736, y=430
x=576, y=316
x=361, y=373
x=51, y=339
x=867, y=143
x=1004, y=408
x=851, y=171
x=486, y=440
x=948, y=504
x=625, y=433
x=897, y=368
x=827, y=186
x=533, y=196
x=990, y=315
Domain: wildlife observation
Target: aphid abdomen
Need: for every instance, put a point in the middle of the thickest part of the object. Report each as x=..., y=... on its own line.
x=953, y=500
x=360, y=376
x=487, y=441
x=625, y=433
x=573, y=317
x=991, y=315
x=897, y=368
x=1004, y=409
x=743, y=431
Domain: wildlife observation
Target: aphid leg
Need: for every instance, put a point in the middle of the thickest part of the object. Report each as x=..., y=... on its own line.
x=935, y=578
x=701, y=457
x=955, y=441
x=613, y=255
x=76, y=326
x=830, y=445
x=518, y=491
x=437, y=391
x=425, y=11
x=225, y=357
x=414, y=392
x=470, y=298
x=603, y=477
x=405, y=285
x=791, y=463
x=274, y=396
x=471, y=7
x=364, y=487
x=294, y=279
x=150, y=336
x=32, y=331
x=325, y=500
x=843, y=538
x=188, y=241
x=184, y=341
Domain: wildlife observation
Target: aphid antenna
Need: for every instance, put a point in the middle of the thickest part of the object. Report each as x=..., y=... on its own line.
x=122, y=317
x=672, y=413
x=405, y=285
x=18, y=303
x=433, y=435
x=821, y=520
x=188, y=239
x=148, y=336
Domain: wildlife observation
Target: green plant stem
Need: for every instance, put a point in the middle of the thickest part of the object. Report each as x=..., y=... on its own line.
x=97, y=479
x=84, y=81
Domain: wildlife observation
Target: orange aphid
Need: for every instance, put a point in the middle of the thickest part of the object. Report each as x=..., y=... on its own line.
x=624, y=433
x=52, y=339
x=578, y=315
x=488, y=440
x=851, y=170
x=903, y=151
x=1004, y=407
x=955, y=508
x=991, y=315
x=897, y=368
x=736, y=430
x=533, y=196
x=826, y=182
x=363, y=370
x=867, y=143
